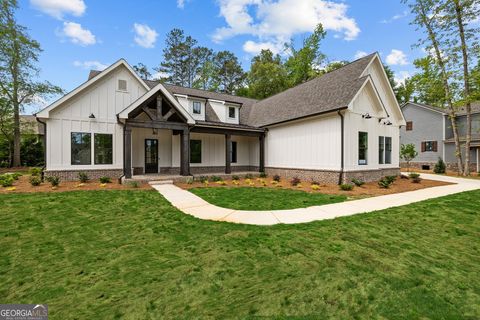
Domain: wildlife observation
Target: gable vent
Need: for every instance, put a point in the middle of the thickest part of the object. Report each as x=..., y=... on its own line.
x=122, y=85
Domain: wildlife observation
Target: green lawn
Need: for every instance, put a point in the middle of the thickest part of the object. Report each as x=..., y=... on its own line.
x=129, y=254
x=247, y=198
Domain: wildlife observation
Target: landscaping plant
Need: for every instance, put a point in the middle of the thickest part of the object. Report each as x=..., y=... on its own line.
x=415, y=177
x=202, y=179
x=408, y=153
x=391, y=179
x=440, y=166
x=263, y=175
x=6, y=180
x=346, y=187
x=35, y=171
x=35, y=181
x=54, y=181
x=384, y=183
x=215, y=178
x=276, y=178
x=235, y=178
x=358, y=182
x=248, y=176
x=105, y=180
x=295, y=181
x=83, y=177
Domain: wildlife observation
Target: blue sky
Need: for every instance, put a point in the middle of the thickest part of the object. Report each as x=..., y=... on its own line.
x=78, y=35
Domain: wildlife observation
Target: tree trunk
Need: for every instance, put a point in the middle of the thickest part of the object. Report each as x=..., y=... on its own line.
x=466, y=88
x=446, y=85
x=16, y=136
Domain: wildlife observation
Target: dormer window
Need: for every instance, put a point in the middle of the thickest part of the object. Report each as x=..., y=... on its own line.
x=122, y=85
x=197, y=107
x=231, y=112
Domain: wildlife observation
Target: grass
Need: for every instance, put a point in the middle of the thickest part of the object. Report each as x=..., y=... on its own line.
x=129, y=254
x=246, y=198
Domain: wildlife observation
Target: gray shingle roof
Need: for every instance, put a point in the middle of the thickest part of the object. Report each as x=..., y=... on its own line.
x=330, y=92
x=460, y=110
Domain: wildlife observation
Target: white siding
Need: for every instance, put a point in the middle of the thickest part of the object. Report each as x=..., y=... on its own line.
x=104, y=101
x=308, y=144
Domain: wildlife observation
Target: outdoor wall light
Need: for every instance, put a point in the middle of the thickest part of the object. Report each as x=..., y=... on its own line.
x=91, y=116
x=366, y=116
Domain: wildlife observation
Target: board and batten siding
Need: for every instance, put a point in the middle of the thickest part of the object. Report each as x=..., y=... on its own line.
x=104, y=101
x=312, y=144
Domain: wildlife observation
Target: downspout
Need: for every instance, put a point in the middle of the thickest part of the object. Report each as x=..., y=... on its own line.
x=342, y=139
x=44, y=145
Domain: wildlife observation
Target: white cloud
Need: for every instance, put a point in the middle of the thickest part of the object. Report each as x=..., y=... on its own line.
x=359, y=54
x=144, y=35
x=397, y=57
x=78, y=34
x=253, y=47
x=401, y=76
x=181, y=3
x=275, y=22
x=395, y=17
x=160, y=75
x=96, y=65
x=58, y=8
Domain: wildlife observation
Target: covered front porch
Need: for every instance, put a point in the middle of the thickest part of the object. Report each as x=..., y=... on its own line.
x=159, y=143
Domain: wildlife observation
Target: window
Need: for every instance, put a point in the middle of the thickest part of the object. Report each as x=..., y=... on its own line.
x=362, y=148
x=197, y=107
x=231, y=112
x=388, y=150
x=429, y=146
x=122, y=85
x=381, y=149
x=409, y=125
x=81, y=148
x=233, y=158
x=195, y=151
x=103, y=148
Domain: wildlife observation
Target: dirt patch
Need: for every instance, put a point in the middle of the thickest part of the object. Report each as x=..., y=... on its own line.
x=370, y=189
x=23, y=185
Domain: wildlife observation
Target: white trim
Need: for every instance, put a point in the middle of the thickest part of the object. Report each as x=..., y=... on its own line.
x=478, y=160
x=159, y=87
x=384, y=113
x=45, y=113
x=443, y=137
x=217, y=101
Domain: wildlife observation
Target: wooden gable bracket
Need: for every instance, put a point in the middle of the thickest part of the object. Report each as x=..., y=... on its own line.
x=149, y=113
x=159, y=107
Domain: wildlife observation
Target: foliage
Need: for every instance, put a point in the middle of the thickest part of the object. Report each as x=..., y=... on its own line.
x=263, y=175
x=202, y=179
x=391, y=179
x=105, y=179
x=6, y=180
x=346, y=187
x=142, y=71
x=31, y=150
x=408, y=153
x=249, y=176
x=83, y=177
x=215, y=178
x=133, y=184
x=35, y=180
x=276, y=178
x=440, y=166
x=35, y=171
x=384, y=183
x=427, y=82
x=54, y=181
x=358, y=182
x=295, y=181
x=229, y=73
x=414, y=175
x=235, y=178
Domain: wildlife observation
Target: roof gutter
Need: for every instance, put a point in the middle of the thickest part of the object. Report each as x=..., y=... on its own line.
x=304, y=117
x=342, y=142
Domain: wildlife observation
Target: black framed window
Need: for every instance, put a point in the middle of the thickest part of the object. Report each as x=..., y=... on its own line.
x=234, y=152
x=231, y=112
x=381, y=149
x=81, y=148
x=195, y=151
x=197, y=107
x=362, y=148
x=103, y=151
x=388, y=150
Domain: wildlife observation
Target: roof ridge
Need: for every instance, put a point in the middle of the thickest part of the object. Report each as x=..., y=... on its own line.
x=227, y=94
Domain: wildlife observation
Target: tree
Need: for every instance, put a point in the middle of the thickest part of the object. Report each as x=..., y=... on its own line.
x=404, y=91
x=427, y=83
x=408, y=153
x=205, y=77
x=303, y=64
x=18, y=55
x=142, y=71
x=332, y=66
x=229, y=73
x=267, y=75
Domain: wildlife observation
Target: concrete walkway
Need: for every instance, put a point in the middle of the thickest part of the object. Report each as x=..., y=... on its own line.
x=197, y=207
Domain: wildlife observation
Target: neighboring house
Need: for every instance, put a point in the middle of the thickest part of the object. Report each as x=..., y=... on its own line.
x=342, y=125
x=30, y=125
x=430, y=129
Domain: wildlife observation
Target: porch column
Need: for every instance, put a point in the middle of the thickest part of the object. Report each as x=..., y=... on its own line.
x=185, y=152
x=228, y=153
x=478, y=159
x=261, y=164
x=127, y=151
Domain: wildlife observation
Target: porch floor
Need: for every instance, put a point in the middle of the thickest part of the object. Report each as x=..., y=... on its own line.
x=145, y=178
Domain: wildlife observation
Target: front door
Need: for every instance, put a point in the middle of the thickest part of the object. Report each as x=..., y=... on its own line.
x=151, y=156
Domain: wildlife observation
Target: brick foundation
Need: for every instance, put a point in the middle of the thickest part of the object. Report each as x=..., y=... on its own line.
x=370, y=175
x=450, y=165
x=72, y=175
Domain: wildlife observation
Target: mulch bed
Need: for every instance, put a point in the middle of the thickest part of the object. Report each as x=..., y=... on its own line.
x=367, y=190
x=23, y=185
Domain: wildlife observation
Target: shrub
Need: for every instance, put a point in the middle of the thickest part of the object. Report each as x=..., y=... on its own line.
x=391, y=179
x=440, y=166
x=36, y=172
x=248, y=176
x=314, y=182
x=54, y=181
x=384, y=183
x=215, y=178
x=35, y=181
x=403, y=176
x=276, y=178
x=416, y=180
x=346, y=187
x=133, y=184
x=295, y=181
x=105, y=180
x=15, y=175
x=263, y=175
x=414, y=175
x=83, y=177
x=189, y=180
x=6, y=180
x=202, y=179
x=235, y=178
x=315, y=186
x=358, y=182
